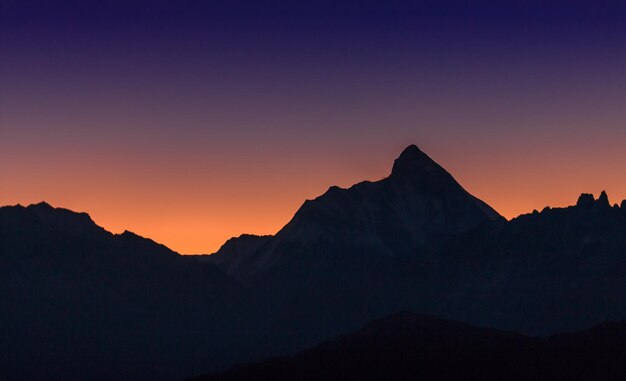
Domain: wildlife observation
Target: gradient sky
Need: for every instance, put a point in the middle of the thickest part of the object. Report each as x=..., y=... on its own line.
x=190, y=123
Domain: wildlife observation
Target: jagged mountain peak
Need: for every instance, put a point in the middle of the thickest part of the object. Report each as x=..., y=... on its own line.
x=415, y=172
x=45, y=209
x=418, y=207
x=45, y=223
x=43, y=205
x=414, y=163
x=54, y=219
x=585, y=199
x=412, y=154
x=416, y=185
x=588, y=200
x=604, y=199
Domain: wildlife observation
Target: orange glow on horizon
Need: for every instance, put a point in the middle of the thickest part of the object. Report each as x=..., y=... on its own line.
x=198, y=216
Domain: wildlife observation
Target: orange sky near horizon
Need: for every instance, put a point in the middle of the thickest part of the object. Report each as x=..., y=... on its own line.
x=196, y=210
x=246, y=164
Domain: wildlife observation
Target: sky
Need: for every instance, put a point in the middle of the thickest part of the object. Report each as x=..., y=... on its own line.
x=191, y=122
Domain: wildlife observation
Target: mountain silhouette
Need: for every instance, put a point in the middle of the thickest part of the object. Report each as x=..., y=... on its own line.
x=82, y=303
x=417, y=208
x=407, y=346
x=558, y=269
x=417, y=241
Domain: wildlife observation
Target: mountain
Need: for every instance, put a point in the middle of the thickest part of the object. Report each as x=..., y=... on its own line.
x=352, y=255
x=417, y=208
x=79, y=302
x=418, y=241
x=407, y=346
x=544, y=272
x=236, y=251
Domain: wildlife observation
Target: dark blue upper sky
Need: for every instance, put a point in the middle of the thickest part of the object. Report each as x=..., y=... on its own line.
x=312, y=24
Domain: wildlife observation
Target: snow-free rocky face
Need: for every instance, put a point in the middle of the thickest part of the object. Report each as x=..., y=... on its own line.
x=416, y=208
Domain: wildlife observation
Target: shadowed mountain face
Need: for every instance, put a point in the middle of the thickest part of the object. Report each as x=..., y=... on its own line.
x=355, y=254
x=407, y=346
x=233, y=255
x=417, y=241
x=561, y=269
x=81, y=303
x=416, y=209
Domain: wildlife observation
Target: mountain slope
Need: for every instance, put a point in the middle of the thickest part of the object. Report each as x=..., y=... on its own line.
x=418, y=241
x=352, y=255
x=79, y=302
x=417, y=208
x=407, y=346
x=560, y=269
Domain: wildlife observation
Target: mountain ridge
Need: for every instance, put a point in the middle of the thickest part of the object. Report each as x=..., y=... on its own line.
x=348, y=257
x=419, y=204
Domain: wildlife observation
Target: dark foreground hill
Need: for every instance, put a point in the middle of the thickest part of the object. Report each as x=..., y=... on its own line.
x=408, y=346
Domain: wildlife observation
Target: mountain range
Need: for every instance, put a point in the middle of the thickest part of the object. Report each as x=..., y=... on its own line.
x=81, y=303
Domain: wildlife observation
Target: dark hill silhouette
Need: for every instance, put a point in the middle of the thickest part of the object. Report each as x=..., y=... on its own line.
x=408, y=346
x=561, y=269
x=81, y=303
x=236, y=251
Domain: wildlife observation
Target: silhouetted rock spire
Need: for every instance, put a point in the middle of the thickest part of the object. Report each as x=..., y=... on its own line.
x=603, y=200
x=585, y=200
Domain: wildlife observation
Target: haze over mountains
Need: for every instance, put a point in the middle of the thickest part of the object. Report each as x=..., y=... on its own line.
x=82, y=303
